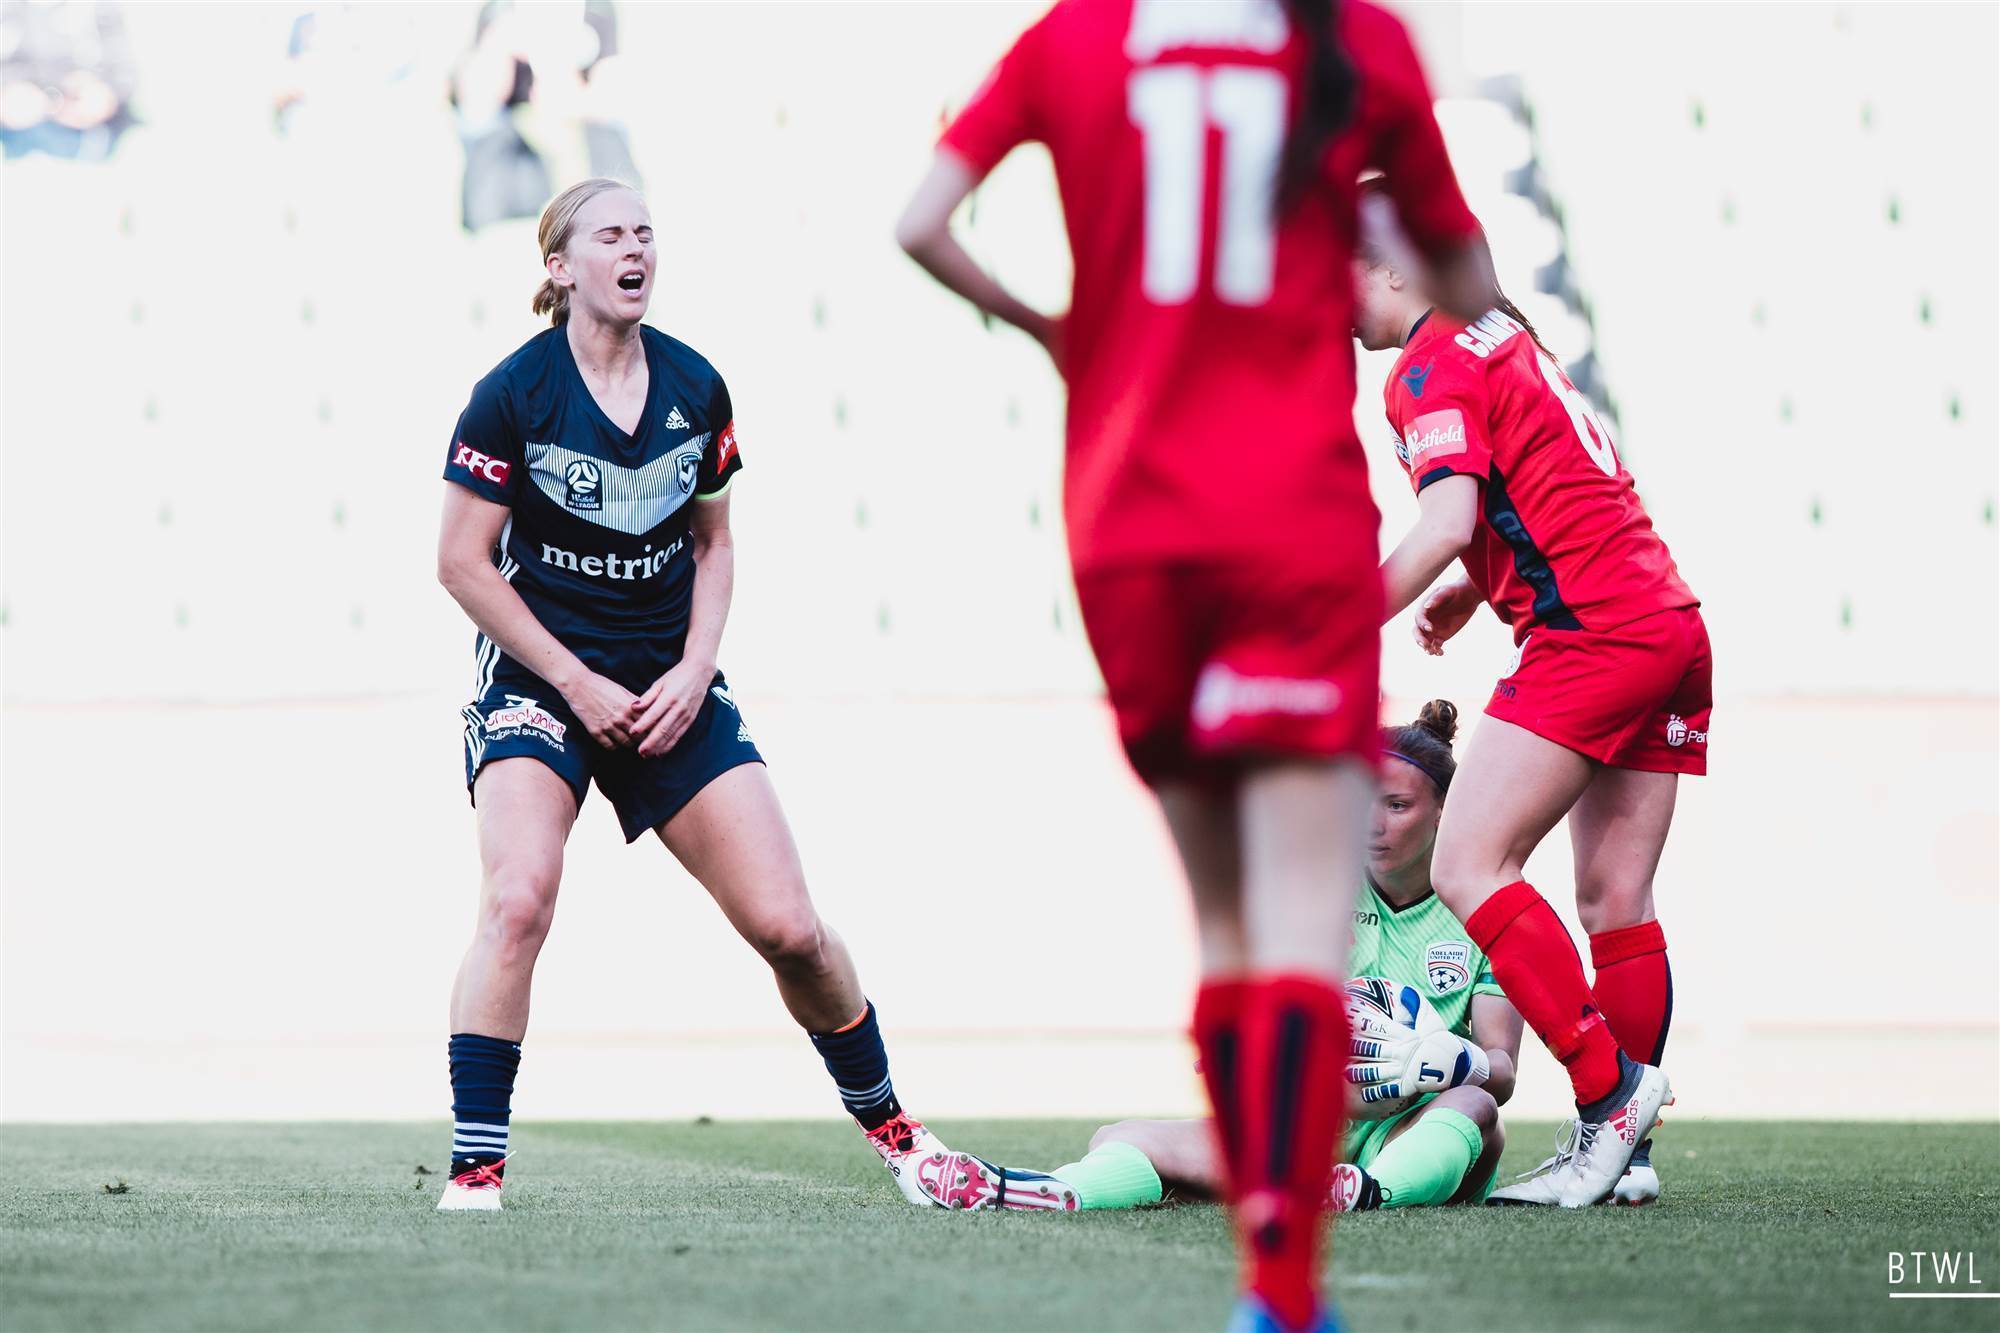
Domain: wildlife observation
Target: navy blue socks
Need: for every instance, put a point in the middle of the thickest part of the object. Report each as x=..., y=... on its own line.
x=482, y=1091
x=860, y=1069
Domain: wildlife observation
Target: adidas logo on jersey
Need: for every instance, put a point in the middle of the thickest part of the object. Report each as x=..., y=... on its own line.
x=675, y=421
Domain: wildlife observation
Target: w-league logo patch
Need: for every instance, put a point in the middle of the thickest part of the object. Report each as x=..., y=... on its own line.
x=1448, y=966
x=584, y=485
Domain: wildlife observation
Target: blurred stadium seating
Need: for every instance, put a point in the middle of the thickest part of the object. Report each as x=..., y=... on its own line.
x=1778, y=296
x=235, y=355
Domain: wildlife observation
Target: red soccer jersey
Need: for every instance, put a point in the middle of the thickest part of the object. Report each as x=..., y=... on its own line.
x=1210, y=371
x=1563, y=541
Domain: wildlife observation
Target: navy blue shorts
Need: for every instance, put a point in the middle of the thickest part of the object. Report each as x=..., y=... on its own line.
x=518, y=715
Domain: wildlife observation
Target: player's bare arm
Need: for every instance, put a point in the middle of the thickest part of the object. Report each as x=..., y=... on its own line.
x=467, y=535
x=665, y=711
x=924, y=232
x=1447, y=511
x=1496, y=1029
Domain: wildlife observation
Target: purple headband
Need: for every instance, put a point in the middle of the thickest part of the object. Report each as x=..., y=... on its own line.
x=1443, y=784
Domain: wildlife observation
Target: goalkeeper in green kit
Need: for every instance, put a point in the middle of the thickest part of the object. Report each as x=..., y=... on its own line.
x=1440, y=1148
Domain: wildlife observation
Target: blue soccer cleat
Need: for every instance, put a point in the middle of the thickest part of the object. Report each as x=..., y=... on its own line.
x=1253, y=1316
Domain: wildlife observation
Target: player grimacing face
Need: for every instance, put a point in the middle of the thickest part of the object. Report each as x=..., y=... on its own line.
x=608, y=263
x=1404, y=824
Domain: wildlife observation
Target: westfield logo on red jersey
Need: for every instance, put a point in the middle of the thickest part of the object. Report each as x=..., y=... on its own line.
x=1434, y=435
x=480, y=465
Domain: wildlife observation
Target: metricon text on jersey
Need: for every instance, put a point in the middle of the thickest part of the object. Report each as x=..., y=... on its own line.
x=612, y=566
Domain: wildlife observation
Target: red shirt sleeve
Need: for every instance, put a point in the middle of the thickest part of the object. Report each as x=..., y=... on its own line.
x=1006, y=111
x=1406, y=143
x=1437, y=405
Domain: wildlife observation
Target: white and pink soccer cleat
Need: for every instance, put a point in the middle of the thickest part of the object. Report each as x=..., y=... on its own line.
x=902, y=1142
x=960, y=1181
x=1352, y=1190
x=474, y=1191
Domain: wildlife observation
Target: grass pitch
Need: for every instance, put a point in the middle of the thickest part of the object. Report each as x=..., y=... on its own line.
x=795, y=1226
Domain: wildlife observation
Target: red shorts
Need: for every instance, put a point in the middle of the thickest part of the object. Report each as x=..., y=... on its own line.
x=1636, y=697
x=1210, y=663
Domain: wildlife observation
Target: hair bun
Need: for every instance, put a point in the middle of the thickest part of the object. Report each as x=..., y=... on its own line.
x=1440, y=718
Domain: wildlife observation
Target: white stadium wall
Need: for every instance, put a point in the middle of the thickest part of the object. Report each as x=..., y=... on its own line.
x=238, y=857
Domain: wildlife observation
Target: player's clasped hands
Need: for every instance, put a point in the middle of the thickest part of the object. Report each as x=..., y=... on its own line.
x=606, y=710
x=662, y=715
x=1443, y=613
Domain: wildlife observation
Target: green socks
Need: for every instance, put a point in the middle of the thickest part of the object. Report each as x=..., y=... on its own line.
x=1427, y=1162
x=1118, y=1175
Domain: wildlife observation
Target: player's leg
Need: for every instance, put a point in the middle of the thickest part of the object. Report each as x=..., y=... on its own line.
x=1202, y=817
x=1437, y=1152
x=1237, y=689
x=1286, y=700
x=1201, y=813
x=734, y=839
x=1270, y=1019
x=525, y=810
x=1137, y=1162
x=1618, y=830
x=1478, y=1182
x=1510, y=789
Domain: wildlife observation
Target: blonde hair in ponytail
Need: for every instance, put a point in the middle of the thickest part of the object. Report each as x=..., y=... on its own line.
x=558, y=221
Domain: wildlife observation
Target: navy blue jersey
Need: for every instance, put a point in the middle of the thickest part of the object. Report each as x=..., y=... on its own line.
x=597, y=543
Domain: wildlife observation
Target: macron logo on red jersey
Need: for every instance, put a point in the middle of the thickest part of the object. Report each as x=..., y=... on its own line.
x=1434, y=435
x=480, y=465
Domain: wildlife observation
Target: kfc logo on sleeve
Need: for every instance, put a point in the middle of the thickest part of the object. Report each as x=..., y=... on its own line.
x=725, y=448
x=1434, y=435
x=480, y=465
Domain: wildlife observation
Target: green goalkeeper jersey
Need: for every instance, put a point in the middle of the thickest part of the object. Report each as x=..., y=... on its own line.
x=1422, y=945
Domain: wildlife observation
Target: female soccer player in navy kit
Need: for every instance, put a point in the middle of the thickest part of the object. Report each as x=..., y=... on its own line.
x=586, y=534
x=1216, y=499
x=1606, y=704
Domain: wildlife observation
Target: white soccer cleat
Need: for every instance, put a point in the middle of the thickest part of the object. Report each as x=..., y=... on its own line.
x=964, y=1183
x=1593, y=1159
x=474, y=1191
x=902, y=1142
x=1639, y=1186
x=1352, y=1190
x=1541, y=1185
x=1604, y=1147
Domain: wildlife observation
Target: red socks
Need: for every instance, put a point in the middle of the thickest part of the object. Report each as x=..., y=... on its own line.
x=1218, y=1036
x=1634, y=987
x=1274, y=1053
x=1537, y=965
